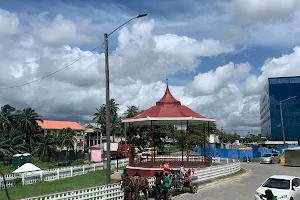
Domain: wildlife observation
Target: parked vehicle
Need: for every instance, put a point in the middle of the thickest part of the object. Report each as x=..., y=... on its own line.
x=117, y=156
x=283, y=187
x=270, y=158
x=149, y=152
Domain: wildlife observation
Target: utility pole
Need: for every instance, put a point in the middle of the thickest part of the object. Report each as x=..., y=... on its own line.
x=282, y=125
x=107, y=110
x=281, y=118
x=107, y=126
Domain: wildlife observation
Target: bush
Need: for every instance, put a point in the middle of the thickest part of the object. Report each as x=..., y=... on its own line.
x=17, y=181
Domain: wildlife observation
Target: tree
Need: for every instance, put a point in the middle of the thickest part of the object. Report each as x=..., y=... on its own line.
x=67, y=138
x=7, y=117
x=131, y=111
x=28, y=123
x=115, y=121
x=46, y=147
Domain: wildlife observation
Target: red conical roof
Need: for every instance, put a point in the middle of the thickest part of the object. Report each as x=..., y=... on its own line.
x=168, y=99
x=168, y=107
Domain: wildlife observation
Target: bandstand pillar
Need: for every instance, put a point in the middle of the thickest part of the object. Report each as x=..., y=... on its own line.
x=208, y=148
x=204, y=144
x=187, y=143
x=152, y=142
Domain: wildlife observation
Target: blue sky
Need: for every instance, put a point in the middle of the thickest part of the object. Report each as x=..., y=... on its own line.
x=216, y=54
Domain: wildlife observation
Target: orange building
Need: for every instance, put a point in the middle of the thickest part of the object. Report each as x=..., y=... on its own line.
x=53, y=127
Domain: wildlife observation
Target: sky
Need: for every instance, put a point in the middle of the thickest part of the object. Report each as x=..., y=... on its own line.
x=217, y=55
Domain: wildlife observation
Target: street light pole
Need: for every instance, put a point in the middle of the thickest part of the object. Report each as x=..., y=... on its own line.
x=107, y=106
x=281, y=118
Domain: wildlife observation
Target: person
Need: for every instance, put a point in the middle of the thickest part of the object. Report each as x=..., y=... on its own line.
x=124, y=173
x=158, y=185
x=137, y=174
x=268, y=195
x=182, y=171
x=188, y=175
x=166, y=185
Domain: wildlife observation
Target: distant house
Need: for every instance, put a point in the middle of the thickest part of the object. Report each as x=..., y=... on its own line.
x=94, y=136
x=52, y=127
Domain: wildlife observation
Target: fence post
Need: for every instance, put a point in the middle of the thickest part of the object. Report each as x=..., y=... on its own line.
x=94, y=167
x=41, y=175
x=57, y=173
x=23, y=179
x=82, y=169
x=71, y=171
x=227, y=160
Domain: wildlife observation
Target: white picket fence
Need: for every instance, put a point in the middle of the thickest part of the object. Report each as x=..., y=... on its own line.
x=223, y=160
x=114, y=191
x=57, y=173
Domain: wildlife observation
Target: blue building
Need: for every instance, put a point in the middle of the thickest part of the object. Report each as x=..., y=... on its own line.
x=276, y=90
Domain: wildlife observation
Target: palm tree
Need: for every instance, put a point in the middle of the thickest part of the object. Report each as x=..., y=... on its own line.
x=7, y=117
x=11, y=143
x=131, y=111
x=100, y=116
x=28, y=123
x=67, y=139
x=46, y=147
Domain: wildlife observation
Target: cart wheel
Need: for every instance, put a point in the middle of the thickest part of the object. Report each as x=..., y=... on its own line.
x=194, y=188
x=180, y=187
x=151, y=193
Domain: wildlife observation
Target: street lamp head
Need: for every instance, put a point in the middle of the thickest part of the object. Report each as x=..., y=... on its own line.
x=141, y=15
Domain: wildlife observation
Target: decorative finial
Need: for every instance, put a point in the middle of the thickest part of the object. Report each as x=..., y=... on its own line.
x=167, y=80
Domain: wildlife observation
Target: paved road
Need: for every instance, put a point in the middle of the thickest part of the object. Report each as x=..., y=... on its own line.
x=242, y=187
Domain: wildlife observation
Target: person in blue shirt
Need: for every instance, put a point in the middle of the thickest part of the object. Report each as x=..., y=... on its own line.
x=124, y=173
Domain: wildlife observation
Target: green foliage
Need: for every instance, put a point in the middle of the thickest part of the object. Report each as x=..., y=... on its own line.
x=17, y=181
x=252, y=138
x=20, y=133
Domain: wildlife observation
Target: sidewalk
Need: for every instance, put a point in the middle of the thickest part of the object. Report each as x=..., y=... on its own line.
x=117, y=175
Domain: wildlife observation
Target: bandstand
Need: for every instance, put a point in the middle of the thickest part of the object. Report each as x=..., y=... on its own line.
x=168, y=111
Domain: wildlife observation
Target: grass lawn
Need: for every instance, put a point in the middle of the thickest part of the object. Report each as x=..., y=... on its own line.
x=88, y=180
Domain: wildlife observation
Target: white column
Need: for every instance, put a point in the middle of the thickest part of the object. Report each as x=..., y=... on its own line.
x=94, y=167
x=71, y=171
x=58, y=174
x=23, y=179
x=82, y=169
x=41, y=175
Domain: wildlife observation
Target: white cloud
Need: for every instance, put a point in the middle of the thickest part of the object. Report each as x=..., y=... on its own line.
x=213, y=81
x=258, y=10
x=62, y=31
x=145, y=56
x=286, y=65
x=9, y=23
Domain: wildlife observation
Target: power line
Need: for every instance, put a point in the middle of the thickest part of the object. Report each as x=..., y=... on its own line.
x=43, y=77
